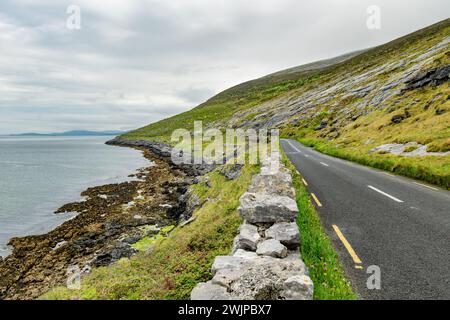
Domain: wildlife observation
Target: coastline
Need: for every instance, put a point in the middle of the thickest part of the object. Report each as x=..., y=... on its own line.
x=39, y=175
x=108, y=222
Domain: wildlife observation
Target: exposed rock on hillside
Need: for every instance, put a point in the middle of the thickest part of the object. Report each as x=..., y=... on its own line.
x=433, y=77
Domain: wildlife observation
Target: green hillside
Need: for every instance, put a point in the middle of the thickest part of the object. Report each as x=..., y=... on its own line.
x=349, y=105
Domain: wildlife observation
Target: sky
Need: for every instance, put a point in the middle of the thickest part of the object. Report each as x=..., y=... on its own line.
x=135, y=62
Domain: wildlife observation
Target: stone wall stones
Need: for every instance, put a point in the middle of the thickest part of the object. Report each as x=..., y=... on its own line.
x=265, y=263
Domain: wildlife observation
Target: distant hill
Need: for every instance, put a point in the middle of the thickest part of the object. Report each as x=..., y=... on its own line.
x=73, y=133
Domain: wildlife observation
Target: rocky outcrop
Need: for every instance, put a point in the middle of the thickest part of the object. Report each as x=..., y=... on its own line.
x=350, y=94
x=432, y=77
x=410, y=149
x=231, y=172
x=265, y=263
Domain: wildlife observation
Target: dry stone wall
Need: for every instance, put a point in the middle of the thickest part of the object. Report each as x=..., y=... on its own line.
x=265, y=263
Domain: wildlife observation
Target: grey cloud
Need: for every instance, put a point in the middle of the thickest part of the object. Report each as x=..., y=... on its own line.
x=137, y=61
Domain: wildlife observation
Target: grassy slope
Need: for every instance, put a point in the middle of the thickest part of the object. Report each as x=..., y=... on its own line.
x=423, y=124
x=220, y=107
x=245, y=96
x=176, y=263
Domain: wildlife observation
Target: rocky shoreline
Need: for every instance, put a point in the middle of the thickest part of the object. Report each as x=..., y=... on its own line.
x=109, y=220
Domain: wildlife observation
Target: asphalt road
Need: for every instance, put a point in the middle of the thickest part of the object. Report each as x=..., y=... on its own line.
x=378, y=219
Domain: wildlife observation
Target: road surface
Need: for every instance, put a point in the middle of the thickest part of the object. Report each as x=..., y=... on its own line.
x=378, y=219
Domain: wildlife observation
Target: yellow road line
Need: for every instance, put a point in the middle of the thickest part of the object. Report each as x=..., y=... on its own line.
x=316, y=200
x=389, y=174
x=347, y=245
x=424, y=185
x=359, y=267
x=304, y=182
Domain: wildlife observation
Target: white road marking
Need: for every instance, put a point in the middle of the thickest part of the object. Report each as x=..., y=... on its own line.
x=424, y=185
x=323, y=163
x=385, y=194
x=389, y=174
x=306, y=156
x=293, y=147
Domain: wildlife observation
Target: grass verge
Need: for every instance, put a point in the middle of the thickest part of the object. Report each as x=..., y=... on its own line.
x=178, y=262
x=317, y=250
x=434, y=169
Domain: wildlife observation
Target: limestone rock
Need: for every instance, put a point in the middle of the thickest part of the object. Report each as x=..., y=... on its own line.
x=248, y=237
x=265, y=277
x=299, y=287
x=272, y=248
x=279, y=183
x=209, y=291
x=265, y=208
x=287, y=233
x=117, y=252
x=231, y=172
x=227, y=262
x=225, y=277
x=245, y=254
x=432, y=77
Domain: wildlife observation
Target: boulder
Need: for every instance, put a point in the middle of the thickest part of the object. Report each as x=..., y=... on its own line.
x=266, y=208
x=299, y=287
x=398, y=118
x=271, y=169
x=431, y=77
x=248, y=276
x=258, y=284
x=231, y=172
x=226, y=277
x=265, y=277
x=227, y=262
x=272, y=248
x=248, y=237
x=111, y=255
x=209, y=291
x=287, y=233
x=279, y=184
x=245, y=254
x=275, y=156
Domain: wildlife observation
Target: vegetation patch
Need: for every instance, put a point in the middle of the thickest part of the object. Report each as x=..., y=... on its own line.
x=410, y=148
x=432, y=169
x=148, y=242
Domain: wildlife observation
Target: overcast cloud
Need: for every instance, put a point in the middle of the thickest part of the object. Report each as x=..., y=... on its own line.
x=137, y=61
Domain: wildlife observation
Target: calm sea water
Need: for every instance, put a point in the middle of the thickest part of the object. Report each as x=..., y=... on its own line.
x=40, y=174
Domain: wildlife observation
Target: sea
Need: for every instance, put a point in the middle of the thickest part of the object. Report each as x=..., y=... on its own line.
x=40, y=174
